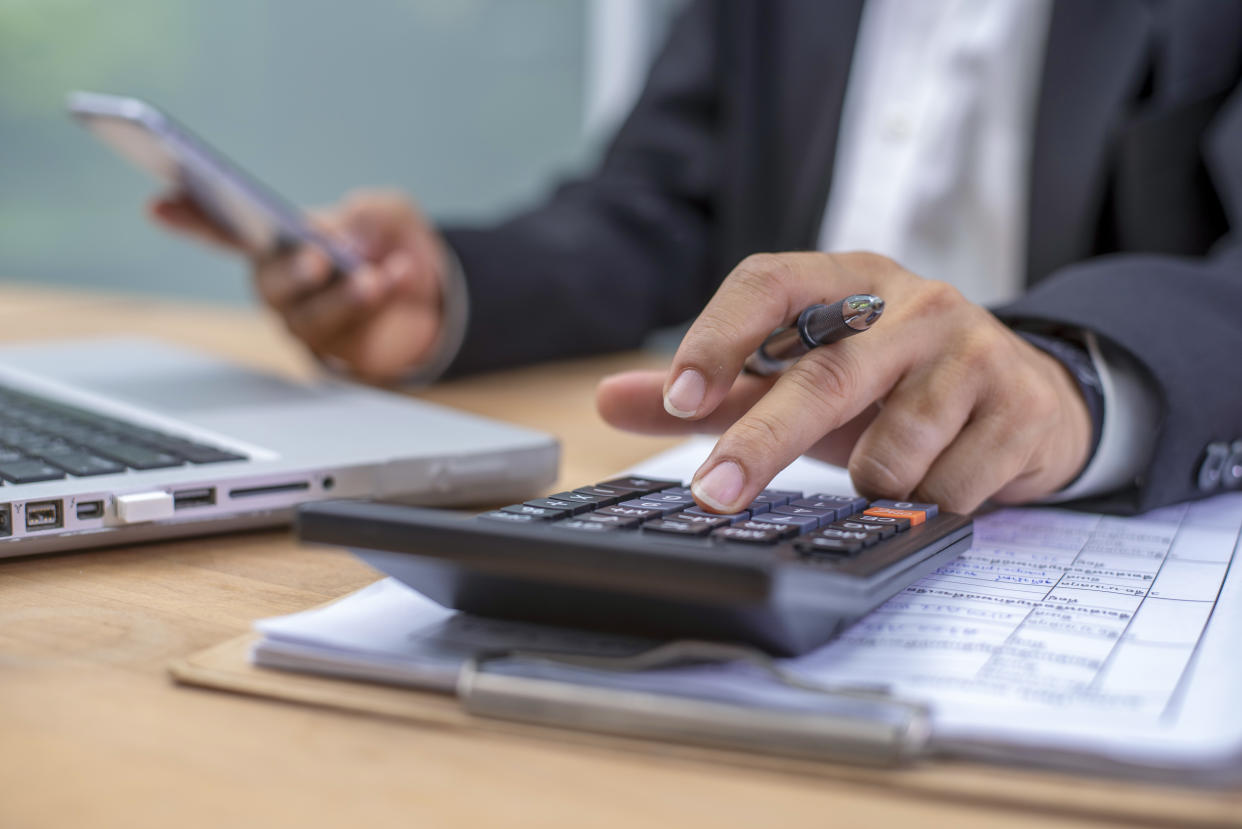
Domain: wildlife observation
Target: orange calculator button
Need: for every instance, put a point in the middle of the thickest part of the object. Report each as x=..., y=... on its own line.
x=916, y=516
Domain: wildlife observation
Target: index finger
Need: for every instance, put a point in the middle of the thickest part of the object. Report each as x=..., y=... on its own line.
x=762, y=293
x=181, y=213
x=826, y=389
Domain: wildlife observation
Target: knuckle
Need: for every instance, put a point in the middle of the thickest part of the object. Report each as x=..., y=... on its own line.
x=976, y=353
x=764, y=273
x=826, y=377
x=938, y=297
x=952, y=494
x=874, y=478
x=758, y=436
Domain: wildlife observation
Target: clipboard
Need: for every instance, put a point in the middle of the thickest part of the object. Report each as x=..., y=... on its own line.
x=227, y=667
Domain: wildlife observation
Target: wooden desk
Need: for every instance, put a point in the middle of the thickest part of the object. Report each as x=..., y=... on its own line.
x=92, y=732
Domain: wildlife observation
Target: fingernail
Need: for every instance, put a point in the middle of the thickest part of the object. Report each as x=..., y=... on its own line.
x=720, y=487
x=686, y=394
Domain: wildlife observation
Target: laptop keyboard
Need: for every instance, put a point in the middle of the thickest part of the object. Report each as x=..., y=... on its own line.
x=44, y=440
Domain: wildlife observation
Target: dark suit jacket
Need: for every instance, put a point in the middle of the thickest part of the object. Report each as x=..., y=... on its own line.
x=1135, y=199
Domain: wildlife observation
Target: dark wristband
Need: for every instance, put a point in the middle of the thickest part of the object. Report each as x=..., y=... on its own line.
x=1081, y=367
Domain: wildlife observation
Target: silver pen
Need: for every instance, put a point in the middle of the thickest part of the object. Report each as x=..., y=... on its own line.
x=817, y=325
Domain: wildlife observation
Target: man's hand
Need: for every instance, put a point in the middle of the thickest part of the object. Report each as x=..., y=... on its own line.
x=382, y=321
x=938, y=402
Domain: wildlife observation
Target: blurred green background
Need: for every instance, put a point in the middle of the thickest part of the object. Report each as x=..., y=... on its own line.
x=474, y=106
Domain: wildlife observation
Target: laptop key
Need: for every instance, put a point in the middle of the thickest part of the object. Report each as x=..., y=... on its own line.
x=29, y=471
x=132, y=455
x=82, y=464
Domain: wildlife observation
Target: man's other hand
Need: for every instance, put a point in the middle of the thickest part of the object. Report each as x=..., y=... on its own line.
x=938, y=402
x=381, y=321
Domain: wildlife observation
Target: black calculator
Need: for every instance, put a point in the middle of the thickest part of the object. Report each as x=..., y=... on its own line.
x=636, y=555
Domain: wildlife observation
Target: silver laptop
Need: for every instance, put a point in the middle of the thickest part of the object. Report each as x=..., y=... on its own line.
x=123, y=440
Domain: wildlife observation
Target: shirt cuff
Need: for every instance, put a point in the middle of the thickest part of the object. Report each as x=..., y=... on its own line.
x=1131, y=418
x=454, y=320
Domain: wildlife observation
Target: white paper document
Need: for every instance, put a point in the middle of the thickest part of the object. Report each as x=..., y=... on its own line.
x=1092, y=639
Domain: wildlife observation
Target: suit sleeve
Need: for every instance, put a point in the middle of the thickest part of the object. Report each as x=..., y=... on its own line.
x=619, y=253
x=1180, y=318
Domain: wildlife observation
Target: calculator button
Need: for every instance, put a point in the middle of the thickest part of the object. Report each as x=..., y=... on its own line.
x=535, y=512
x=866, y=539
x=899, y=524
x=730, y=517
x=804, y=523
x=640, y=486
x=583, y=526
x=685, y=499
x=823, y=515
x=497, y=515
x=621, y=522
x=675, y=527
x=930, y=510
x=630, y=512
x=610, y=493
x=835, y=547
x=704, y=518
x=829, y=511
x=662, y=507
x=776, y=497
x=845, y=504
x=756, y=507
x=785, y=530
x=747, y=536
x=914, y=516
x=587, y=500
x=569, y=507
x=882, y=530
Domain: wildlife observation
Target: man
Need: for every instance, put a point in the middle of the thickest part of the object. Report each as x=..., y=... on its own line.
x=1089, y=151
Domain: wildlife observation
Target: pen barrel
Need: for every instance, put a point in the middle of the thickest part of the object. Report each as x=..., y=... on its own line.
x=778, y=351
x=817, y=325
x=823, y=325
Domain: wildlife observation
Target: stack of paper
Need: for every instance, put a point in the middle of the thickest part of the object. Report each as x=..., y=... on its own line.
x=1064, y=638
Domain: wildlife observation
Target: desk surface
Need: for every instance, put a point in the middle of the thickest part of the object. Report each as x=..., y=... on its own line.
x=95, y=734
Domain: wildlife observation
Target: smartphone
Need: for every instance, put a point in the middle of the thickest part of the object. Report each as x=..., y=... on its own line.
x=150, y=139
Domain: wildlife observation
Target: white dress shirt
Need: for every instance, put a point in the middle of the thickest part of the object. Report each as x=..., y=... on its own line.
x=932, y=169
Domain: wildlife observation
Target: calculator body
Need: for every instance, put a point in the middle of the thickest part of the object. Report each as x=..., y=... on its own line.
x=774, y=595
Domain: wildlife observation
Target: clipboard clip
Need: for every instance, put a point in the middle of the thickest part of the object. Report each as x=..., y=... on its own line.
x=863, y=725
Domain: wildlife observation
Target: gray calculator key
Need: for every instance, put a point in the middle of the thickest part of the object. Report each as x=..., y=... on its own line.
x=881, y=530
x=785, y=530
x=747, y=536
x=845, y=504
x=535, y=512
x=702, y=519
x=675, y=527
x=568, y=507
x=661, y=507
x=641, y=513
x=582, y=525
x=776, y=497
x=620, y=522
x=730, y=517
x=498, y=515
x=804, y=523
x=828, y=546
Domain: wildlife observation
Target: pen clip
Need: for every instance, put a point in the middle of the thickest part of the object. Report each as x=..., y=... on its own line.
x=854, y=724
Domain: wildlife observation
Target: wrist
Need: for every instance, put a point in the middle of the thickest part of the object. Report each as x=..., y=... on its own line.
x=1087, y=398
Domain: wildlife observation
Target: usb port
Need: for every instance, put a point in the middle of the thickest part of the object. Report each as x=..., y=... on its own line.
x=204, y=496
x=43, y=515
x=87, y=510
